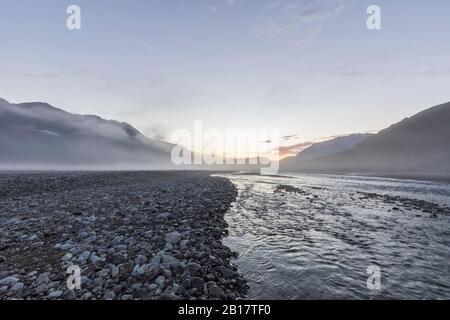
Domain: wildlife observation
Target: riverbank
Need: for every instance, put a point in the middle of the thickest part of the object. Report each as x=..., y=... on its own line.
x=134, y=235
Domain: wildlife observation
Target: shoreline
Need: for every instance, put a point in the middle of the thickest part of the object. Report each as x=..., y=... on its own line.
x=134, y=235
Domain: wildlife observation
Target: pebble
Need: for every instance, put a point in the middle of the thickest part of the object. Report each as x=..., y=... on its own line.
x=18, y=286
x=173, y=238
x=55, y=294
x=151, y=234
x=9, y=281
x=109, y=295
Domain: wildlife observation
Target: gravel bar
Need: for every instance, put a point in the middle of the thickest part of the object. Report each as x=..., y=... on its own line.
x=132, y=235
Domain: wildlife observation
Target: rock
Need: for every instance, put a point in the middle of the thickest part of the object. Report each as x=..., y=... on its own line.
x=43, y=278
x=109, y=295
x=193, y=268
x=66, y=246
x=198, y=283
x=214, y=291
x=67, y=257
x=54, y=284
x=169, y=297
x=86, y=296
x=85, y=281
x=169, y=260
x=84, y=256
x=90, y=239
x=94, y=259
x=41, y=289
x=187, y=283
x=32, y=274
x=99, y=281
x=126, y=250
x=148, y=270
x=69, y=295
x=178, y=269
x=55, y=294
x=140, y=260
x=163, y=216
x=17, y=286
x=114, y=270
x=9, y=281
x=173, y=238
x=226, y=273
x=160, y=280
x=184, y=243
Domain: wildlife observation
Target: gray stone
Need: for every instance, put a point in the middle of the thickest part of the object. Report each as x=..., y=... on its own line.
x=69, y=295
x=109, y=295
x=17, y=287
x=84, y=256
x=167, y=259
x=94, y=259
x=55, y=294
x=226, y=273
x=67, y=257
x=86, y=296
x=140, y=259
x=9, y=281
x=193, y=268
x=43, y=278
x=187, y=283
x=184, y=243
x=160, y=280
x=214, y=291
x=173, y=238
x=198, y=283
x=114, y=270
x=66, y=246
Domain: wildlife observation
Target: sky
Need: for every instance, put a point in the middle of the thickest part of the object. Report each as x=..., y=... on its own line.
x=310, y=69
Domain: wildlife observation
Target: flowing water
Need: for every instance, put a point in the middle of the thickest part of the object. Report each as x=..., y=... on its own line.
x=319, y=243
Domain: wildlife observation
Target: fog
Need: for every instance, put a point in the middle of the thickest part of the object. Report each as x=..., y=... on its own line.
x=37, y=136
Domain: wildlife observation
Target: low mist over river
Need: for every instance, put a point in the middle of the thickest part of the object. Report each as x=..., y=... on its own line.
x=317, y=239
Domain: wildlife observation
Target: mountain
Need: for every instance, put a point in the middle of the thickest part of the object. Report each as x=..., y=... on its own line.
x=37, y=134
x=324, y=148
x=419, y=144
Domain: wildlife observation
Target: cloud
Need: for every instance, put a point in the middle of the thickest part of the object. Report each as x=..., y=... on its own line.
x=292, y=150
x=157, y=131
x=298, y=22
x=233, y=3
x=290, y=137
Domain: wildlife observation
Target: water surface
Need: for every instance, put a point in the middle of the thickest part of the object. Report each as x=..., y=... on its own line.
x=319, y=244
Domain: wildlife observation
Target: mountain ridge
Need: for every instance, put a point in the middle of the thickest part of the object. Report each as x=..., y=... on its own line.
x=41, y=133
x=420, y=143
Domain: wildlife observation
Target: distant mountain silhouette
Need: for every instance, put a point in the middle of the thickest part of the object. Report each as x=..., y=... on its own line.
x=40, y=134
x=417, y=144
x=324, y=148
